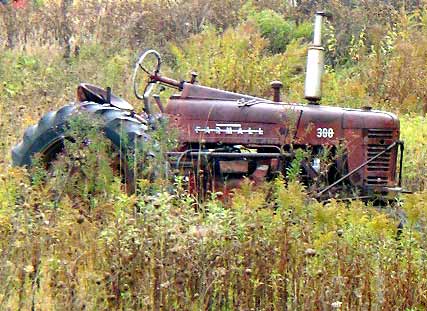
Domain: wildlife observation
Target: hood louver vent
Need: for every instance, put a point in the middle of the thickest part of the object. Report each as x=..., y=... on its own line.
x=385, y=134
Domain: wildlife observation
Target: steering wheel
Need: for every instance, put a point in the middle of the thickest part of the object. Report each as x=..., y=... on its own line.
x=150, y=82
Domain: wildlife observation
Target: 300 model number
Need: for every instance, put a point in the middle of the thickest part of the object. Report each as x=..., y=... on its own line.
x=325, y=132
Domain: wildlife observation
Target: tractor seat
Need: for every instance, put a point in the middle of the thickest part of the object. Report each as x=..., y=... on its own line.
x=93, y=93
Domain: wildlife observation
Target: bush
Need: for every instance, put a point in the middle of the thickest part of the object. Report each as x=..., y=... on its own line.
x=414, y=133
x=238, y=61
x=279, y=31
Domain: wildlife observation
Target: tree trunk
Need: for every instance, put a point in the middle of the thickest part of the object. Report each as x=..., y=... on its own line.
x=9, y=15
x=66, y=27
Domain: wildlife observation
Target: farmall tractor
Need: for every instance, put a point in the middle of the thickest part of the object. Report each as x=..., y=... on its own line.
x=225, y=138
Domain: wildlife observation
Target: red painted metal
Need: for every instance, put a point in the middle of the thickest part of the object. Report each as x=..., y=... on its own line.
x=207, y=116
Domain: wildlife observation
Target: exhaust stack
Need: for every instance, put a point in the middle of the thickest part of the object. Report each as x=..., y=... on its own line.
x=315, y=62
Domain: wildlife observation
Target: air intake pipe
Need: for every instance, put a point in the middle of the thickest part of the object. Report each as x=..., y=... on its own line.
x=315, y=62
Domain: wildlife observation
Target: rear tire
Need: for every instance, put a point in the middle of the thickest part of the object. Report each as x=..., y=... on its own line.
x=46, y=138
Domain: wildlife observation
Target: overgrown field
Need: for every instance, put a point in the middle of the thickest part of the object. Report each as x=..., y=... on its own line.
x=84, y=244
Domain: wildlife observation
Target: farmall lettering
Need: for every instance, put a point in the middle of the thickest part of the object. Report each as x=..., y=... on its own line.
x=228, y=129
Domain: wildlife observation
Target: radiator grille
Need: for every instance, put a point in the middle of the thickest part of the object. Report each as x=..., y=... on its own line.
x=382, y=163
x=379, y=169
x=377, y=180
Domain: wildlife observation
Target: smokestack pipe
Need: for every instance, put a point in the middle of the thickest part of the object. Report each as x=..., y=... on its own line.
x=315, y=62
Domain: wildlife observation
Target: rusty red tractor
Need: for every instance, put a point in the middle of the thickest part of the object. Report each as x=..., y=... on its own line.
x=225, y=138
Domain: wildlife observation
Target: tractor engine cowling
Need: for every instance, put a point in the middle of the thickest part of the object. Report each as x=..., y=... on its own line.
x=242, y=136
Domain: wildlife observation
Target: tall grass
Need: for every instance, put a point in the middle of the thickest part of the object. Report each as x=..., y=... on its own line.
x=267, y=249
x=165, y=251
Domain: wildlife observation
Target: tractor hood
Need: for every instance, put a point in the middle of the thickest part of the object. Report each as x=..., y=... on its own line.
x=211, y=115
x=207, y=104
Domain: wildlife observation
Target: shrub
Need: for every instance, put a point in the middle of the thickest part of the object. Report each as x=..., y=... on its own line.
x=279, y=31
x=238, y=61
x=413, y=132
